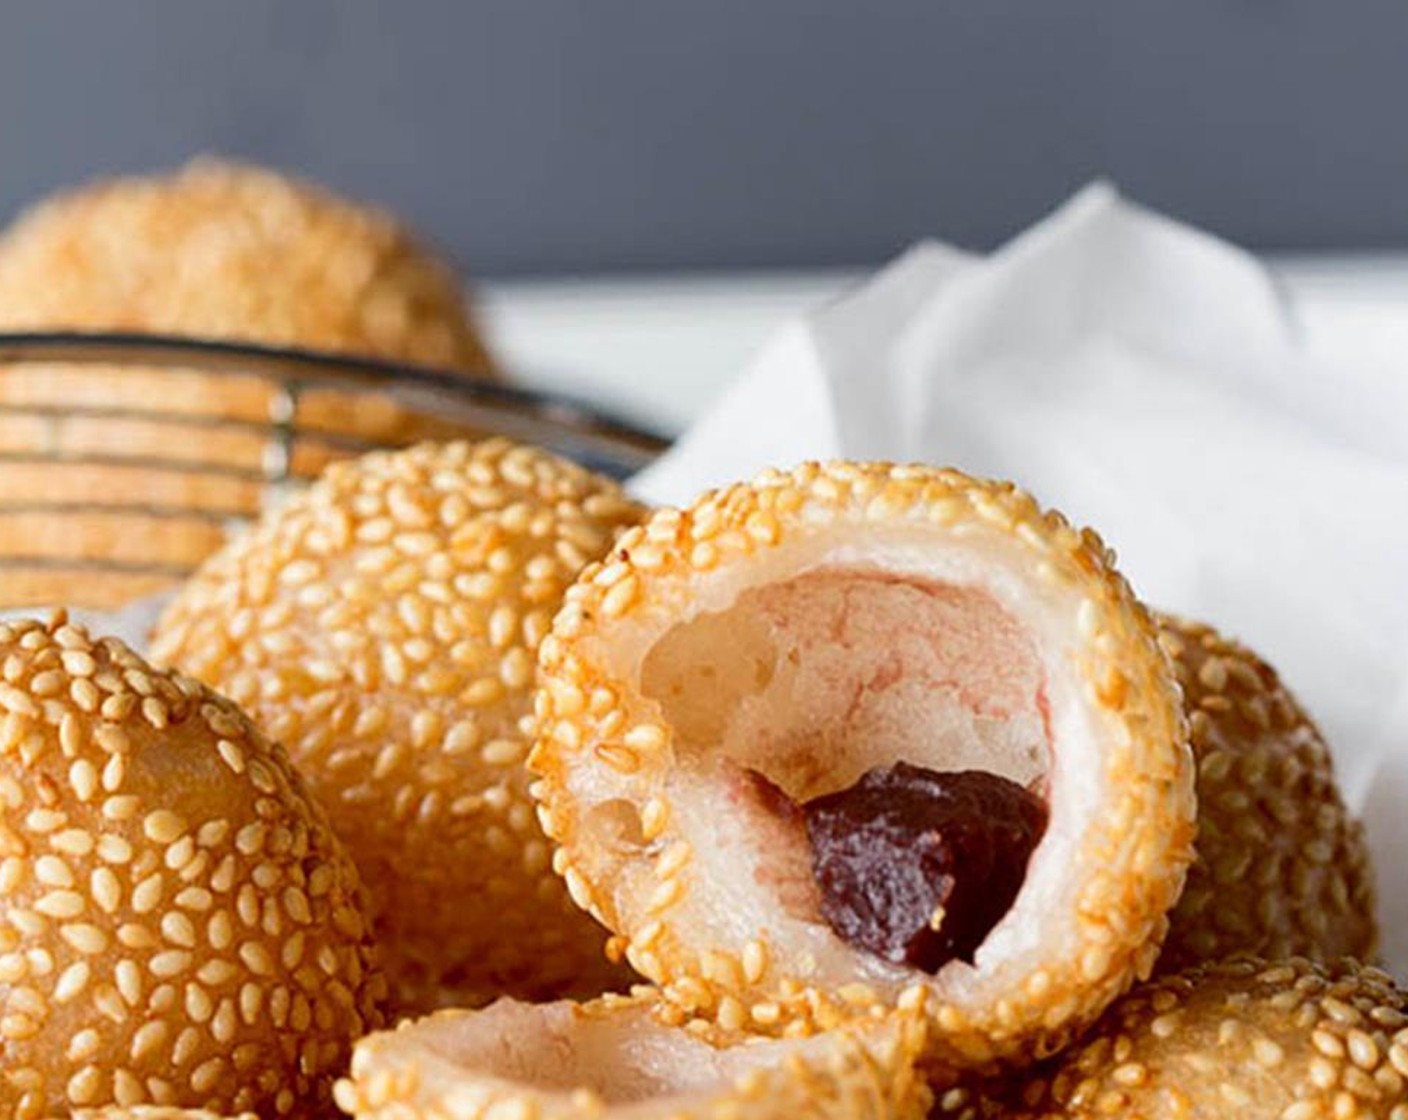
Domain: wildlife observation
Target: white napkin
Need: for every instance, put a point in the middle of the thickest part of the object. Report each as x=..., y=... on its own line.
x=1146, y=379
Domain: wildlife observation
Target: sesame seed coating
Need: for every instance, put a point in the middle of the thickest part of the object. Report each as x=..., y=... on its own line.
x=234, y=251
x=627, y=792
x=130, y=917
x=384, y=627
x=625, y=1057
x=1285, y=1040
x=1282, y=868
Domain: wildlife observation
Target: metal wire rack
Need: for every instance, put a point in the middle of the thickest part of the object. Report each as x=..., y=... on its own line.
x=126, y=459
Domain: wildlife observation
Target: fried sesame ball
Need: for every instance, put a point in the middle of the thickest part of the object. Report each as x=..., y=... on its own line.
x=791, y=635
x=383, y=626
x=1289, y=1040
x=1282, y=868
x=234, y=251
x=150, y=481
x=179, y=927
x=615, y=1059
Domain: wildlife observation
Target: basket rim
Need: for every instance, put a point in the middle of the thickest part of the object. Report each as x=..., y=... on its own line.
x=566, y=416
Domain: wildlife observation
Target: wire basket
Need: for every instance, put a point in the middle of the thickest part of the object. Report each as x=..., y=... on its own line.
x=125, y=460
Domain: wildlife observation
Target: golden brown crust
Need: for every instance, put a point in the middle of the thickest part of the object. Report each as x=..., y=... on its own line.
x=384, y=626
x=864, y=1073
x=1130, y=867
x=1282, y=868
x=1290, y=1041
x=180, y=925
x=228, y=250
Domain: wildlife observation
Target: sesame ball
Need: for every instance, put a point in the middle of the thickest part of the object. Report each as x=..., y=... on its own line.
x=621, y=1059
x=794, y=638
x=179, y=927
x=1282, y=867
x=234, y=251
x=384, y=627
x=1242, y=1038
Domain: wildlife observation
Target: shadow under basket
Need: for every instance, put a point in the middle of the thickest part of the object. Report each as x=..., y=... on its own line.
x=125, y=460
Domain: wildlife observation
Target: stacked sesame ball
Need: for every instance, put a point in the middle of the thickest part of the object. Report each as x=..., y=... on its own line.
x=117, y=478
x=417, y=587
x=473, y=701
x=383, y=626
x=180, y=926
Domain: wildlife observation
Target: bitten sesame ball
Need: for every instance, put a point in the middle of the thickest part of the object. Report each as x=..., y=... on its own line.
x=383, y=626
x=779, y=641
x=1282, y=868
x=616, y=1058
x=1241, y=1038
x=178, y=924
x=234, y=251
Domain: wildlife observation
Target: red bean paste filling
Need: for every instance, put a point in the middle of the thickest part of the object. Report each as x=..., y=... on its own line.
x=917, y=866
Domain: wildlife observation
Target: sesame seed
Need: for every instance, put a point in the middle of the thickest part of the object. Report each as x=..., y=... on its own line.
x=755, y=960
x=84, y=1086
x=171, y=962
x=84, y=937
x=83, y=1045
x=147, y=894
x=128, y=978
x=78, y=663
x=61, y=904
x=1363, y=1051
x=53, y=872
x=256, y=958
x=111, y=848
x=72, y=981
x=127, y=1089
x=232, y=755
x=103, y=885
x=198, y=1004
x=178, y=929
x=163, y=826
x=120, y=808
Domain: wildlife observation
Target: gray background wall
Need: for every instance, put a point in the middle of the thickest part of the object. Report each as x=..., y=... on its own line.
x=578, y=135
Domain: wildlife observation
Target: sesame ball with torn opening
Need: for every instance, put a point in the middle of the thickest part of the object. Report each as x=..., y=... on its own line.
x=628, y=1058
x=179, y=927
x=858, y=736
x=384, y=627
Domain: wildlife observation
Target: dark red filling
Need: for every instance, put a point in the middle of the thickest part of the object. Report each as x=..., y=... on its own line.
x=918, y=866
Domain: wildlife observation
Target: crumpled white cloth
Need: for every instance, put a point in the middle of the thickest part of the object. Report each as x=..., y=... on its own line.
x=1147, y=379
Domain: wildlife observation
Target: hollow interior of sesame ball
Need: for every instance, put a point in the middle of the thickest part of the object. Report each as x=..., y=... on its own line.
x=803, y=687
x=623, y=1057
x=813, y=681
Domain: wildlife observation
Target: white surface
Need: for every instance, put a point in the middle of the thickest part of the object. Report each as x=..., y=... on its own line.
x=656, y=349
x=660, y=349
